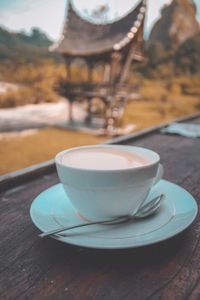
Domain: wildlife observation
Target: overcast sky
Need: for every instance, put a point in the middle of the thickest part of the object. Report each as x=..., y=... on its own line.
x=49, y=14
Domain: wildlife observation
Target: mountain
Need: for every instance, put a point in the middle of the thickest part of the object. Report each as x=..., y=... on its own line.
x=174, y=43
x=177, y=23
x=162, y=62
x=20, y=46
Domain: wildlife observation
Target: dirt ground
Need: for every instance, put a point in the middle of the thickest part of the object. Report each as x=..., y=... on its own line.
x=33, y=146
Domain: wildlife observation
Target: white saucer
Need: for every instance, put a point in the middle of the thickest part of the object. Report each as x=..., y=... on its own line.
x=52, y=209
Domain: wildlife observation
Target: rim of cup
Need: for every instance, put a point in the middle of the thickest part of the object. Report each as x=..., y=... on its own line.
x=154, y=161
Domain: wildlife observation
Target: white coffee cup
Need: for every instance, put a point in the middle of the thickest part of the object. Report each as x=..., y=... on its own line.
x=99, y=194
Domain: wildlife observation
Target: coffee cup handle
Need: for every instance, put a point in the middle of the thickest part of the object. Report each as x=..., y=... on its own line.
x=159, y=174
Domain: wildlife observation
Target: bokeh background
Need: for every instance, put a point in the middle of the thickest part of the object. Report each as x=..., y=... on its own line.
x=164, y=86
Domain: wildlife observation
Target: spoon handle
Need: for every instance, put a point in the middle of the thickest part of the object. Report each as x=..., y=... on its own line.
x=142, y=212
x=107, y=222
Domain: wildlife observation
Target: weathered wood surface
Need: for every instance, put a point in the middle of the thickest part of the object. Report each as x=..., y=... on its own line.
x=32, y=268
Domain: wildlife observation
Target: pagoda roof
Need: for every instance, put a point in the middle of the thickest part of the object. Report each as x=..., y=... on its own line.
x=82, y=38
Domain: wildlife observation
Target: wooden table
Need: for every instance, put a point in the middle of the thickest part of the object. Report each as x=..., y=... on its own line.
x=32, y=268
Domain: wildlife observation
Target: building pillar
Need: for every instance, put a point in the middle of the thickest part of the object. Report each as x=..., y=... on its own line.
x=70, y=112
x=90, y=71
x=68, y=69
x=107, y=70
x=89, y=117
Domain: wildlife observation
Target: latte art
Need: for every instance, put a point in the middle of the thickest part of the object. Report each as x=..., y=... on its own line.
x=104, y=159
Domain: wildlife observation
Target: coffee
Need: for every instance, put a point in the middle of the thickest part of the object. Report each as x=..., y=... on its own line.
x=102, y=158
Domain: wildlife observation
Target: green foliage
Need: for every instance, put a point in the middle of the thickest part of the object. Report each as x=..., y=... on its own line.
x=20, y=46
x=190, y=85
x=35, y=82
x=163, y=62
x=174, y=88
x=156, y=53
x=25, y=60
x=187, y=57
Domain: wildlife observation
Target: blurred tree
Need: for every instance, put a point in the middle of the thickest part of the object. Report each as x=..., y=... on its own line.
x=156, y=53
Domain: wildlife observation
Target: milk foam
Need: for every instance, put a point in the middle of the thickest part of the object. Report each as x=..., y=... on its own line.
x=103, y=159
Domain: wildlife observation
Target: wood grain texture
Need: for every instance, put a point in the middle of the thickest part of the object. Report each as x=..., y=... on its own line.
x=32, y=268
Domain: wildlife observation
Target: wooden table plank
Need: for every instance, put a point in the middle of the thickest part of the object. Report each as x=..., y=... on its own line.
x=32, y=268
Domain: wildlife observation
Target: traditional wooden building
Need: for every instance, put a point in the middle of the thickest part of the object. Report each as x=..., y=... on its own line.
x=114, y=45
